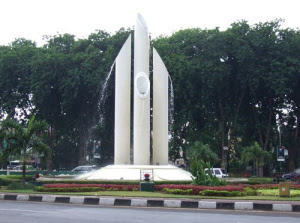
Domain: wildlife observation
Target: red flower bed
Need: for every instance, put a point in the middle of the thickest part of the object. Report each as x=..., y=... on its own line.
x=105, y=186
x=197, y=189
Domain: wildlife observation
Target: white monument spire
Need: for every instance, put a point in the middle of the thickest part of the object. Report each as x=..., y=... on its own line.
x=160, y=111
x=141, y=113
x=122, y=104
x=141, y=102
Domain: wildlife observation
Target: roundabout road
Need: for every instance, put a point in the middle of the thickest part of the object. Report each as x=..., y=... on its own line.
x=32, y=212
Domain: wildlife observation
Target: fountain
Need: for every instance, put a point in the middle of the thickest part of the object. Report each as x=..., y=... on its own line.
x=122, y=168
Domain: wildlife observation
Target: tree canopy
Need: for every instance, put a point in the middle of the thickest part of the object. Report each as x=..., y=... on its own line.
x=232, y=88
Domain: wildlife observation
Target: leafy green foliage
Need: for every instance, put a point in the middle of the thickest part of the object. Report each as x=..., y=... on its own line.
x=221, y=193
x=20, y=186
x=202, y=152
x=256, y=154
x=72, y=189
x=231, y=88
x=26, y=140
x=178, y=191
x=200, y=177
x=254, y=181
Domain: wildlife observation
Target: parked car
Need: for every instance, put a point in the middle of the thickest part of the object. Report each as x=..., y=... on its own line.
x=10, y=167
x=295, y=175
x=218, y=172
x=20, y=167
x=85, y=169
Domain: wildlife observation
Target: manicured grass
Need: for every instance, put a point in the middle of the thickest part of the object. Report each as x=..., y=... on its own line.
x=275, y=192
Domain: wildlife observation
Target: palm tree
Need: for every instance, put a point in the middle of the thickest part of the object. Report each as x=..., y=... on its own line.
x=25, y=140
x=257, y=155
x=202, y=152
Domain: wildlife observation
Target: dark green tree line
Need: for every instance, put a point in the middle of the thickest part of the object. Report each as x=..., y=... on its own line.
x=232, y=88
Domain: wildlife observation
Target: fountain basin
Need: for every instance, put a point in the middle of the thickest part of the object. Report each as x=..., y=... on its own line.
x=133, y=172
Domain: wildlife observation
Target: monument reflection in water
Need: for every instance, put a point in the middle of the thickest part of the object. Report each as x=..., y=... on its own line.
x=141, y=115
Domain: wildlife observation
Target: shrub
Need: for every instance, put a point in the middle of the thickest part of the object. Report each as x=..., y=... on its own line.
x=20, y=186
x=254, y=181
x=177, y=191
x=249, y=192
x=197, y=189
x=108, y=187
x=202, y=178
x=123, y=182
x=70, y=189
x=9, y=179
x=135, y=189
x=221, y=193
x=93, y=182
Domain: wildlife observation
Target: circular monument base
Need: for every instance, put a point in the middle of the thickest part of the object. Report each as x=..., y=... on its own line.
x=133, y=172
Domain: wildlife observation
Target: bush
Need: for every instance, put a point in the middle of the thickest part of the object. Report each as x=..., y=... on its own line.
x=84, y=187
x=254, y=181
x=201, y=178
x=249, y=191
x=92, y=182
x=70, y=189
x=123, y=182
x=9, y=179
x=196, y=189
x=221, y=193
x=177, y=191
x=20, y=186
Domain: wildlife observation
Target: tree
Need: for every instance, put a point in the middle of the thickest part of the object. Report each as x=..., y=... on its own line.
x=257, y=155
x=26, y=140
x=202, y=152
x=15, y=71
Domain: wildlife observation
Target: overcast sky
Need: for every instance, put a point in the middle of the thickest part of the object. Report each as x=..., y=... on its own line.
x=32, y=19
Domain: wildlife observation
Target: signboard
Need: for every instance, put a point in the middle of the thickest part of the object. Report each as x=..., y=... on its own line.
x=280, y=154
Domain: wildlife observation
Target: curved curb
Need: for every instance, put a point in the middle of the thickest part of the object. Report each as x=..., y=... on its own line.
x=143, y=202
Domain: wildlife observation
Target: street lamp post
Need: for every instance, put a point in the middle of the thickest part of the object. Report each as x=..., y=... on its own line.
x=225, y=148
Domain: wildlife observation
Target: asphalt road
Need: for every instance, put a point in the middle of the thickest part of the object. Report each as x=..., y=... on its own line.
x=30, y=212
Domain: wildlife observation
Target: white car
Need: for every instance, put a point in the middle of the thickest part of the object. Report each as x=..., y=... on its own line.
x=218, y=172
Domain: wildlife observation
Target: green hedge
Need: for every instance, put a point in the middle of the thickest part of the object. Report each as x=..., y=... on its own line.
x=7, y=180
x=247, y=192
x=178, y=191
x=221, y=193
x=20, y=186
x=118, y=182
x=70, y=189
x=254, y=181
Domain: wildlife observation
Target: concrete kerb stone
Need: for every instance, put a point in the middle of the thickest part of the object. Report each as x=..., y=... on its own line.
x=207, y=205
x=21, y=197
x=243, y=205
x=49, y=198
x=76, y=200
x=282, y=207
x=107, y=201
x=172, y=203
x=139, y=202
